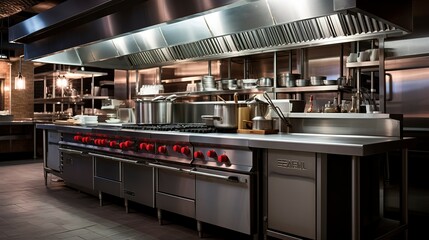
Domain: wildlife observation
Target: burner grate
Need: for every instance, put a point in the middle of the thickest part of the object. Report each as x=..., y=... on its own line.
x=179, y=127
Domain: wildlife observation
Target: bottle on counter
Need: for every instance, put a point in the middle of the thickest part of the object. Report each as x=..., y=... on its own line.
x=329, y=108
x=310, y=107
x=344, y=106
x=354, y=108
x=336, y=106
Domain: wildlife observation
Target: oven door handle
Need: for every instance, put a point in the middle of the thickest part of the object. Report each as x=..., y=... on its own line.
x=168, y=167
x=70, y=150
x=114, y=158
x=234, y=179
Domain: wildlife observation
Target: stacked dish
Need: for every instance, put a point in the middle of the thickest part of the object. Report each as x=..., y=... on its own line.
x=113, y=120
x=86, y=120
x=208, y=83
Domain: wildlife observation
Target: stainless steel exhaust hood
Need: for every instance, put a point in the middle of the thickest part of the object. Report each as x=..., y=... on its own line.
x=131, y=34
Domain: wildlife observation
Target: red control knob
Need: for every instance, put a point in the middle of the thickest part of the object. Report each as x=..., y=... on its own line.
x=198, y=154
x=223, y=158
x=150, y=147
x=113, y=144
x=103, y=142
x=142, y=146
x=86, y=139
x=162, y=149
x=185, y=150
x=77, y=138
x=211, y=154
x=97, y=141
x=177, y=148
x=128, y=144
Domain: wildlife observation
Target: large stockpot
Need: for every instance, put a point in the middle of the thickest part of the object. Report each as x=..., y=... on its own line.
x=154, y=112
x=225, y=115
x=287, y=79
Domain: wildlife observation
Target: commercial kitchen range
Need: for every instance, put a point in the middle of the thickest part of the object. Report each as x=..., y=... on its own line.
x=326, y=178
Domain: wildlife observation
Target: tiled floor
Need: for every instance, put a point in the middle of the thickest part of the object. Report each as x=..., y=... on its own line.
x=29, y=210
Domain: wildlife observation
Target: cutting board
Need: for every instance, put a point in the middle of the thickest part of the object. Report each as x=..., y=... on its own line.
x=252, y=131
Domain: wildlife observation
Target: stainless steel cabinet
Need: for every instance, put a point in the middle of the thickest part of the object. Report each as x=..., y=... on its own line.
x=291, y=193
x=78, y=170
x=139, y=184
x=53, y=160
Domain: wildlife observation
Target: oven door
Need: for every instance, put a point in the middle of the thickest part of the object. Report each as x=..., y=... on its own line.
x=175, y=189
x=108, y=173
x=224, y=199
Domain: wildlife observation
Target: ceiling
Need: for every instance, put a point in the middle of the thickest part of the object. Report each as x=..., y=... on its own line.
x=15, y=11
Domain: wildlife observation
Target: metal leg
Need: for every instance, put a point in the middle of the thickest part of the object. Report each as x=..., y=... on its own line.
x=45, y=175
x=159, y=214
x=126, y=205
x=355, y=198
x=404, y=191
x=200, y=229
x=100, y=198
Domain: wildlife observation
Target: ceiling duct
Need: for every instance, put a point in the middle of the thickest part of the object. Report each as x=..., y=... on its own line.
x=155, y=33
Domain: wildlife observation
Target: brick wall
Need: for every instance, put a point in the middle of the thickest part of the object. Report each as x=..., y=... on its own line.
x=18, y=102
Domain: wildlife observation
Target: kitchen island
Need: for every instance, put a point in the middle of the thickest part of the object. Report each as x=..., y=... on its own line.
x=285, y=168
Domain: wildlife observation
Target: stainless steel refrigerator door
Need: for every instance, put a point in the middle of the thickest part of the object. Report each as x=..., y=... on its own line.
x=407, y=94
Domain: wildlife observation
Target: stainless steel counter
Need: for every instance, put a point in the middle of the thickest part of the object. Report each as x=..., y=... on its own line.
x=352, y=145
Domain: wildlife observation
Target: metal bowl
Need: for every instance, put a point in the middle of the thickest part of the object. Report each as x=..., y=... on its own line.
x=330, y=82
x=302, y=82
x=317, y=80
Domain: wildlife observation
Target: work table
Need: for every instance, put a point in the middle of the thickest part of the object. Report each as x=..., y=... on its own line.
x=353, y=145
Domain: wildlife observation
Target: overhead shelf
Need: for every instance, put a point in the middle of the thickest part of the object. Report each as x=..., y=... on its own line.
x=308, y=89
x=58, y=100
x=362, y=64
x=214, y=92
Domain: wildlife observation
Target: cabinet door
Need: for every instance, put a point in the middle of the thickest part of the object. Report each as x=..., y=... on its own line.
x=292, y=192
x=53, y=160
x=78, y=170
x=139, y=184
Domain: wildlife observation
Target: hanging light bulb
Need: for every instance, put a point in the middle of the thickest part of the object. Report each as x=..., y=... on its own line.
x=62, y=81
x=20, y=80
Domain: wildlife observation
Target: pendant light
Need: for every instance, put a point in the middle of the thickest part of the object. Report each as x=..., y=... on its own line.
x=61, y=81
x=20, y=80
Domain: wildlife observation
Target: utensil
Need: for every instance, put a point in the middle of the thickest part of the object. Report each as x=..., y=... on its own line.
x=317, y=80
x=258, y=108
x=154, y=112
x=287, y=79
x=264, y=82
x=302, y=82
x=277, y=110
x=330, y=82
x=220, y=98
x=236, y=98
x=262, y=124
x=224, y=116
